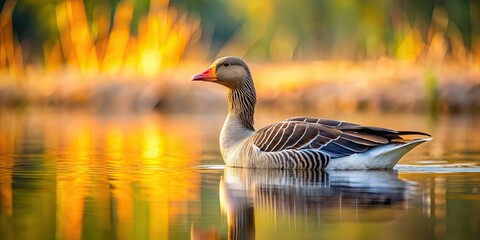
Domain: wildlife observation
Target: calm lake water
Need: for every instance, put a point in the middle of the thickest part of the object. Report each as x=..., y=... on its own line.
x=79, y=175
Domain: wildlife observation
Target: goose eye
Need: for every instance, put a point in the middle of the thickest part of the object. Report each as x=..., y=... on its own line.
x=226, y=64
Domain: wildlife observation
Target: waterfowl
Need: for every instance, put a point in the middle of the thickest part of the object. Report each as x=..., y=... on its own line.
x=298, y=142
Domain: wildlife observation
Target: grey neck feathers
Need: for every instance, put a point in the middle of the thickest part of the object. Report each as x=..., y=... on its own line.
x=241, y=102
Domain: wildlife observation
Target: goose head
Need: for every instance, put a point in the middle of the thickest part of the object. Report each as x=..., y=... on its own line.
x=229, y=71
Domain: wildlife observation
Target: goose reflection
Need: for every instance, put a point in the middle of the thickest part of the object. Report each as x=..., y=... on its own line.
x=325, y=196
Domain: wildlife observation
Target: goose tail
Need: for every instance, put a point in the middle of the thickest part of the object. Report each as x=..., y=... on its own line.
x=383, y=157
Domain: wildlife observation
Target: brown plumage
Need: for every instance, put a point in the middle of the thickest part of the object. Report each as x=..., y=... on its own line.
x=298, y=142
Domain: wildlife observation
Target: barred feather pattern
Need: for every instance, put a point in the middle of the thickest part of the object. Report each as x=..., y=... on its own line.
x=310, y=143
x=242, y=100
x=298, y=142
x=297, y=159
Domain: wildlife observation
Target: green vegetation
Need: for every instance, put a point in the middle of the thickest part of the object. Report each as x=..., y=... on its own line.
x=283, y=30
x=58, y=51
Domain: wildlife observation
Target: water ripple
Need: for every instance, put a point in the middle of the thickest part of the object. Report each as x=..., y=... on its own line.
x=439, y=168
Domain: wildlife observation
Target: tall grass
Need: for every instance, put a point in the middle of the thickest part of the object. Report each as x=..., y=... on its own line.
x=101, y=45
x=109, y=43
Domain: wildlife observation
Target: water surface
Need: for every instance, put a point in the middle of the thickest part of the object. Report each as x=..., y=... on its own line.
x=79, y=175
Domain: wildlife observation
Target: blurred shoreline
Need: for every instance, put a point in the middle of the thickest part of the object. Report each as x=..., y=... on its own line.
x=382, y=85
x=135, y=56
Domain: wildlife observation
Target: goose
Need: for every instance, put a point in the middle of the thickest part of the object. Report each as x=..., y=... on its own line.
x=297, y=142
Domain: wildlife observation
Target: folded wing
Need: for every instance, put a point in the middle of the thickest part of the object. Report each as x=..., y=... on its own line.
x=333, y=138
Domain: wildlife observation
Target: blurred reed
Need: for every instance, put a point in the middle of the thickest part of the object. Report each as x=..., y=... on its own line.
x=109, y=53
x=99, y=46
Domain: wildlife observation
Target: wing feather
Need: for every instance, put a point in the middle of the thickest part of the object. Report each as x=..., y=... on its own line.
x=365, y=139
x=330, y=137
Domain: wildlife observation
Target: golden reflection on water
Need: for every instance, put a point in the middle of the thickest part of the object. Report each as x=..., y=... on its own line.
x=287, y=204
x=133, y=173
x=444, y=197
x=77, y=175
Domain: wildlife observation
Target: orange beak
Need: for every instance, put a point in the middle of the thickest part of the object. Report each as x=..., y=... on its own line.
x=207, y=75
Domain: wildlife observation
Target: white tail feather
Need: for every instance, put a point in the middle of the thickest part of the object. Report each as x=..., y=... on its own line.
x=383, y=157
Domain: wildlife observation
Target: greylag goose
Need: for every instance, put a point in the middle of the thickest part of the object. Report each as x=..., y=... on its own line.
x=298, y=142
